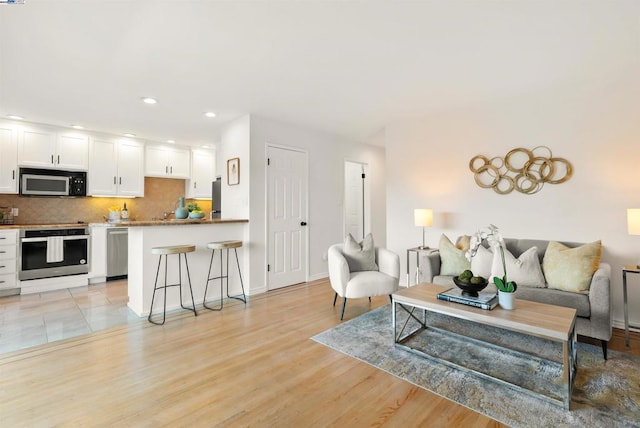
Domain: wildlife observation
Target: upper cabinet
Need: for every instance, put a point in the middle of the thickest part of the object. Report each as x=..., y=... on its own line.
x=44, y=148
x=116, y=167
x=8, y=160
x=203, y=172
x=166, y=161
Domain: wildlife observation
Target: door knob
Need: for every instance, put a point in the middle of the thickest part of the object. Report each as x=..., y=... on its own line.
x=303, y=223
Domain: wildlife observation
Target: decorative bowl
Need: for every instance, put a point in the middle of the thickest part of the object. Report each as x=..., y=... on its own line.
x=194, y=214
x=468, y=288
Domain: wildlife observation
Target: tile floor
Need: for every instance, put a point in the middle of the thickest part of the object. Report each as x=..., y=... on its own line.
x=35, y=319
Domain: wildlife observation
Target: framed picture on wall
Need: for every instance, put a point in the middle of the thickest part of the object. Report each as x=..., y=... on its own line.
x=233, y=171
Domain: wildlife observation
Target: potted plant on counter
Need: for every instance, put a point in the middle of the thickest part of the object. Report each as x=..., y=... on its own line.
x=506, y=288
x=194, y=210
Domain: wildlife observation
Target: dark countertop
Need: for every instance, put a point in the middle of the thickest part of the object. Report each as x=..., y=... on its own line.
x=172, y=222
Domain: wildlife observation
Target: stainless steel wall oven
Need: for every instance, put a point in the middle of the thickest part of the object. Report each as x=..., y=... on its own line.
x=48, y=253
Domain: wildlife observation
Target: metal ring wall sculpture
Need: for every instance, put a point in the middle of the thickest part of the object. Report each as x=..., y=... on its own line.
x=521, y=169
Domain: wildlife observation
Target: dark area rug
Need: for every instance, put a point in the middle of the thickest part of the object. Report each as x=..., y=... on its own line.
x=606, y=393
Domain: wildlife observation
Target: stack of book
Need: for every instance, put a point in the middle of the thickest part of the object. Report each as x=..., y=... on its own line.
x=485, y=300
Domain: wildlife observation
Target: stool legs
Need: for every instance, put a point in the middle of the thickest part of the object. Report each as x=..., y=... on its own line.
x=242, y=297
x=165, y=286
x=209, y=279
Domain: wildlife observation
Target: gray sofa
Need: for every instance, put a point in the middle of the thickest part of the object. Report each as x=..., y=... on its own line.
x=594, y=315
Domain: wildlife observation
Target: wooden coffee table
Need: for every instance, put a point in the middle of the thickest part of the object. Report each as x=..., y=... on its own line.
x=550, y=322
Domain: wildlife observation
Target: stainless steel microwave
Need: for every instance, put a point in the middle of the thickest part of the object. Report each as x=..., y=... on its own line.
x=50, y=182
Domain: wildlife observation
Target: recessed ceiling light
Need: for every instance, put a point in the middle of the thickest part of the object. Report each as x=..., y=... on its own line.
x=15, y=117
x=77, y=126
x=149, y=100
x=171, y=141
x=205, y=146
x=129, y=135
x=210, y=114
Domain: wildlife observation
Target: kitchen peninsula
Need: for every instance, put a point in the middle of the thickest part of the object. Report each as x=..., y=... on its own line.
x=143, y=235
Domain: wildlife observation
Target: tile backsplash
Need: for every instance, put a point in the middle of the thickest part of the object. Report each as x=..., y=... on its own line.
x=160, y=195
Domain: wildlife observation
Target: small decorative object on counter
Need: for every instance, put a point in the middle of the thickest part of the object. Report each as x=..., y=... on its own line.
x=6, y=215
x=114, y=214
x=124, y=214
x=181, y=212
x=194, y=211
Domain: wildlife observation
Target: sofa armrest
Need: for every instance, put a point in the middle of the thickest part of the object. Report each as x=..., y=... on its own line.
x=388, y=262
x=430, y=267
x=600, y=302
x=339, y=274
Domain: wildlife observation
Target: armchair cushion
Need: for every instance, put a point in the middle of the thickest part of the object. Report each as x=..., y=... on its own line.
x=363, y=283
x=360, y=256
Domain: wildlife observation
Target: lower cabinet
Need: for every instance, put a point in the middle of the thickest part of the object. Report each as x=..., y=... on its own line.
x=9, y=262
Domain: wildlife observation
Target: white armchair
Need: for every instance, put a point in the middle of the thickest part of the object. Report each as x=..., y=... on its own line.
x=348, y=285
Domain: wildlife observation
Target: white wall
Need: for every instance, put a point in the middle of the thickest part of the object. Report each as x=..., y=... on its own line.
x=593, y=121
x=326, y=155
x=235, y=202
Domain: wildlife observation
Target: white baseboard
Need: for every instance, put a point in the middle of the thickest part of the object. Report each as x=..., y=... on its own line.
x=258, y=290
x=318, y=276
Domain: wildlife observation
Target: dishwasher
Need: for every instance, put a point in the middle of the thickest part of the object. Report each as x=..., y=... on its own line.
x=117, y=252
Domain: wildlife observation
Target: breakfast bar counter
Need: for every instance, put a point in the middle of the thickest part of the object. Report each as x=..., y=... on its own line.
x=144, y=235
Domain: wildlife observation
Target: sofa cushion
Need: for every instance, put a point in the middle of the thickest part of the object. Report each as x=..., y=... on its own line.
x=577, y=301
x=360, y=256
x=571, y=269
x=524, y=270
x=453, y=259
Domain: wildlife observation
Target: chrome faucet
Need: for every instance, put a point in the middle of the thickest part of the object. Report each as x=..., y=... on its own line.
x=166, y=214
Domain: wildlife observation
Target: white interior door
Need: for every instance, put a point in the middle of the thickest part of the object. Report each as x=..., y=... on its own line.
x=356, y=211
x=287, y=217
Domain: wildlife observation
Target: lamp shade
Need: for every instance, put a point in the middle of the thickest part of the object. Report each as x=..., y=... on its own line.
x=423, y=217
x=633, y=221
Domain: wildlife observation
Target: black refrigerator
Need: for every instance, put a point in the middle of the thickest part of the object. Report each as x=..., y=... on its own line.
x=216, y=201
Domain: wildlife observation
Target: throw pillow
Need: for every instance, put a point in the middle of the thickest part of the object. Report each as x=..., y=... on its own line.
x=481, y=263
x=524, y=271
x=453, y=260
x=571, y=269
x=360, y=256
x=463, y=243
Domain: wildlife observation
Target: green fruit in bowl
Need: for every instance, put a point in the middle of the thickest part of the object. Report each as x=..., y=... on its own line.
x=465, y=276
x=477, y=280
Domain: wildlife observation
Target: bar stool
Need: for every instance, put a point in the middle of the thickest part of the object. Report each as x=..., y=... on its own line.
x=223, y=245
x=165, y=251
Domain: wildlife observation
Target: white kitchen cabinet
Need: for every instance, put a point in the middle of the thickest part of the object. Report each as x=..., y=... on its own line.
x=203, y=172
x=8, y=160
x=44, y=148
x=166, y=161
x=116, y=168
x=72, y=152
x=8, y=260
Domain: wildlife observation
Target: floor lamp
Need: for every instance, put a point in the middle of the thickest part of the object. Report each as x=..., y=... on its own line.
x=633, y=223
x=423, y=218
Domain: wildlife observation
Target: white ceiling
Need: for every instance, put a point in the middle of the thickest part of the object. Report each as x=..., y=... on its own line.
x=343, y=67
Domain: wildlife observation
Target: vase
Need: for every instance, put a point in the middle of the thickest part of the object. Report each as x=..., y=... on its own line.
x=181, y=211
x=507, y=300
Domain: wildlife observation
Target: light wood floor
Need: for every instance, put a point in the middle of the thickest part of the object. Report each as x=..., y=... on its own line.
x=244, y=366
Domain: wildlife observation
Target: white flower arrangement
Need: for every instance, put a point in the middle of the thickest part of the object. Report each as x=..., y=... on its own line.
x=493, y=237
